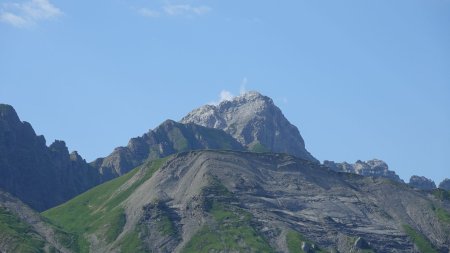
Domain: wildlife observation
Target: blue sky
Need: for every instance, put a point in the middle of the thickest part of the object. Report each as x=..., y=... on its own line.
x=360, y=79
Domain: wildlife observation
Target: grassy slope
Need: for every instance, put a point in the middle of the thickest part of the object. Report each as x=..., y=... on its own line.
x=99, y=210
x=419, y=240
x=231, y=232
x=20, y=236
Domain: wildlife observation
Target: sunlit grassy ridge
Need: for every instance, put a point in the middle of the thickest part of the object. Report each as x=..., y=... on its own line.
x=100, y=209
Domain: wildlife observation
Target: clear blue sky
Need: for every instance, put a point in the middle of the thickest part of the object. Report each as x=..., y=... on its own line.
x=360, y=79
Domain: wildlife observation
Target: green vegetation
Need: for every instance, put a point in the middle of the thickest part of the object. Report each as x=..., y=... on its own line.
x=19, y=234
x=441, y=194
x=259, y=148
x=419, y=240
x=294, y=242
x=180, y=143
x=231, y=231
x=99, y=210
x=131, y=243
x=442, y=214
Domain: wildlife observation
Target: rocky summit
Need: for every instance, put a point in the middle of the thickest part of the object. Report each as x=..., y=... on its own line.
x=255, y=121
x=422, y=183
x=374, y=168
x=445, y=184
x=228, y=201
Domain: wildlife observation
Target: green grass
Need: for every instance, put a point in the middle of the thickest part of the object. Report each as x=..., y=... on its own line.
x=231, y=232
x=442, y=215
x=20, y=236
x=131, y=243
x=294, y=242
x=259, y=148
x=99, y=210
x=419, y=240
x=441, y=194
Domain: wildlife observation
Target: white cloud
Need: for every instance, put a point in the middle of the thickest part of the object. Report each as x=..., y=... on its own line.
x=243, y=88
x=28, y=13
x=226, y=96
x=223, y=96
x=185, y=9
x=148, y=13
x=12, y=19
x=173, y=10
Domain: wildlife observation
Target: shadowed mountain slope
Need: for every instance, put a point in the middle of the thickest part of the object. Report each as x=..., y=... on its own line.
x=40, y=176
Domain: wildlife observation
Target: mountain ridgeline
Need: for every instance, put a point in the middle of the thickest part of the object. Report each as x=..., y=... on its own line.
x=232, y=177
x=40, y=176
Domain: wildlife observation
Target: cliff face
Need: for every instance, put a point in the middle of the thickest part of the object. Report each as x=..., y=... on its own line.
x=40, y=176
x=256, y=122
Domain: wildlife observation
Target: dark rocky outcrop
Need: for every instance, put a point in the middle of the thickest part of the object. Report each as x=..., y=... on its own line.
x=40, y=176
x=445, y=184
x=374, y=168
x=422, y=183
x=255, y=121
x=168, y=138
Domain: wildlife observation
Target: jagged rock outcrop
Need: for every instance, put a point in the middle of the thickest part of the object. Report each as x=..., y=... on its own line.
x=255, y=121
x=445, y=184
x=374, y=168
x=228, y=201
x=422, y=183
x=168, y=138
x=40, y=176
x=24, y=230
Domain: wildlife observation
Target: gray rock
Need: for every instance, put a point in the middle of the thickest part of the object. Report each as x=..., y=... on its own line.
x=255, y=121
x=445, y=184
x=360, y=243
x=374, y=168
x=422, y=183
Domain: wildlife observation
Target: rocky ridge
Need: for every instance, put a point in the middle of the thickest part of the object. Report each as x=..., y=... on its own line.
x=422, y=183
x=445, y=184
x=168, y=138
x=40, y=176
x=374, y=168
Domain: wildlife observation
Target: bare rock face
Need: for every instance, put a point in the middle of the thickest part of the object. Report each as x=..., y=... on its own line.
x=40, y=176
x=254, y=121
x=422, y=183
x=168, y=138
x=374, y=168
x=445, y=184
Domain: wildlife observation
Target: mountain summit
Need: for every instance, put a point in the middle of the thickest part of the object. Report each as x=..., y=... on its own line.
x=254, y=121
